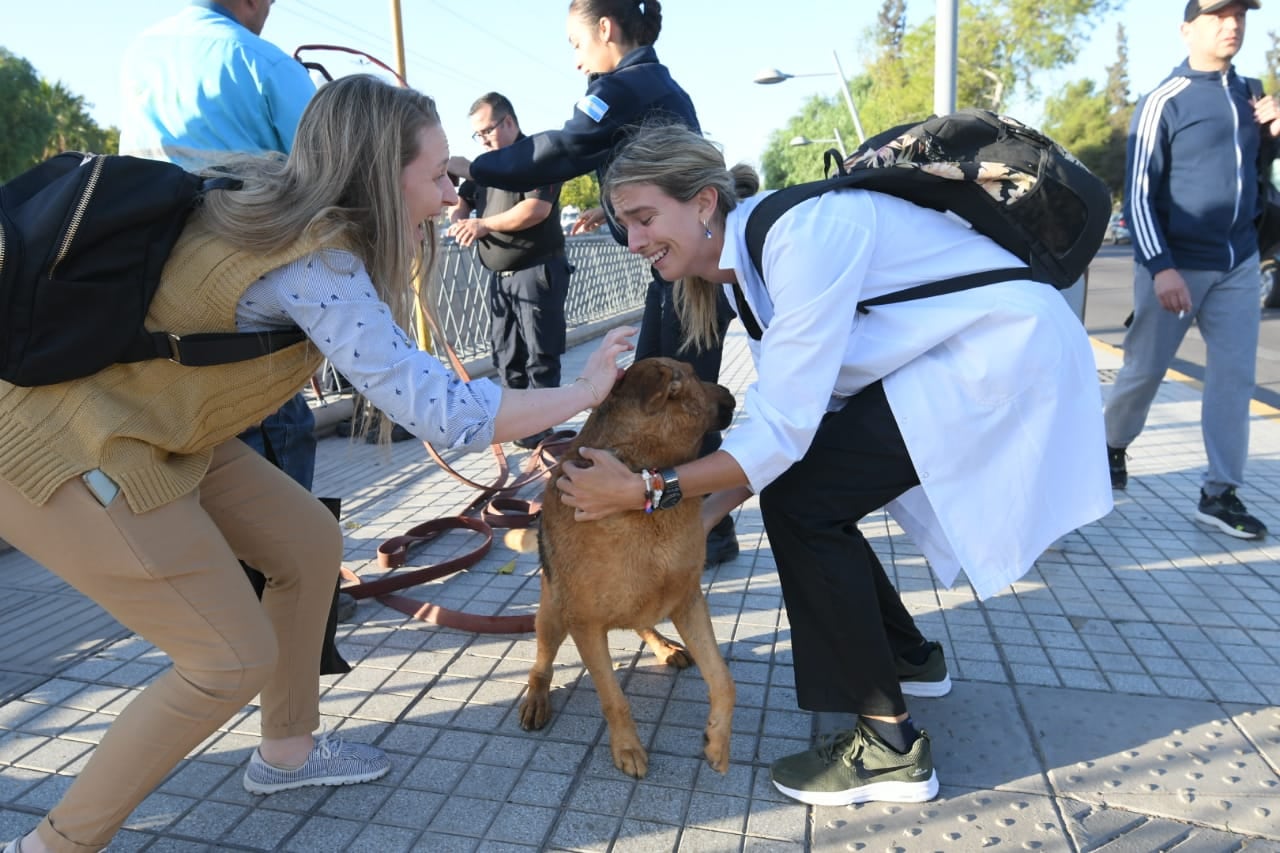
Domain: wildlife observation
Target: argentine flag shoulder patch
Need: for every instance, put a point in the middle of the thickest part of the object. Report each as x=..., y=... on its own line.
x=593, y=107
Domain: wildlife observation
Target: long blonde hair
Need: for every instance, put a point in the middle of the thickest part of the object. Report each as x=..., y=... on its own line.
x=340, y=186
x=681, y=163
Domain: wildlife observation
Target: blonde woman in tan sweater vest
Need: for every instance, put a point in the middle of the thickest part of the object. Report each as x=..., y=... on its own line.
x=141, y=460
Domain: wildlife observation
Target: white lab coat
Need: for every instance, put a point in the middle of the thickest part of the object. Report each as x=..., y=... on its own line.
x=995, y=389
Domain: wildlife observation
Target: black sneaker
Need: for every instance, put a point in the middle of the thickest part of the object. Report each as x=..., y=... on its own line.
x=722, y=542
x=928, y=679
x=1227, y=513
x=529, y=442
x=857, y=767
x=1119, y=473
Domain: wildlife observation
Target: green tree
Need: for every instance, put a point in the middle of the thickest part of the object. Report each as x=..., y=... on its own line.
x=26, y=122
x=1271, y=77
x=1080, y=120
x=1003, y=46
x=583, y=192
x=73, y=128
x=820, y=119
x=1118, y=77
x=891, y=24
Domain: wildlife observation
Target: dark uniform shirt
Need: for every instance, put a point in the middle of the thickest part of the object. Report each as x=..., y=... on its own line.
x=505, y=251
x=639, y=90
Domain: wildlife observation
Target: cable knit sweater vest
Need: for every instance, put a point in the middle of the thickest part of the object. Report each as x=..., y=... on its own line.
x=152, y=426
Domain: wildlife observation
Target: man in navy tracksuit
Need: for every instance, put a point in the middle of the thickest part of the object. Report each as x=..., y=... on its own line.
x=1191, y=190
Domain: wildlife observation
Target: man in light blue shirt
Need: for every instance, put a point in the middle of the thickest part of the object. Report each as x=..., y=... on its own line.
x=199, y=87
x=202, y=85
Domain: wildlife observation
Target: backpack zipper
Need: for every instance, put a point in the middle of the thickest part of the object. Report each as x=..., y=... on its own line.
x=98, y=163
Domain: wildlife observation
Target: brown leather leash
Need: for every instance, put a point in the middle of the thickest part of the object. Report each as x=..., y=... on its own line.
x=495, y=507
x=496, y=510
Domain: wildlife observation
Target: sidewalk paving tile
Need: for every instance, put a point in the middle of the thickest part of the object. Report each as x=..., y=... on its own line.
x=1123, y=696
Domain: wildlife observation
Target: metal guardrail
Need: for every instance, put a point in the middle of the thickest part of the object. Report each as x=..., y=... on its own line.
x=607, y=282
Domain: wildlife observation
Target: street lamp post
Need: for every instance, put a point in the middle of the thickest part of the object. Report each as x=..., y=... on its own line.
x=772, y=75
x=944, y=57
x=839, y=141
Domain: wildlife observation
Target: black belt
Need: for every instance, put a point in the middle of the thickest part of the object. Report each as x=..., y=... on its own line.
x=540, y=262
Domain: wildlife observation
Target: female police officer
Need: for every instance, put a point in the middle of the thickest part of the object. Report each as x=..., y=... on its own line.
x=613, y=45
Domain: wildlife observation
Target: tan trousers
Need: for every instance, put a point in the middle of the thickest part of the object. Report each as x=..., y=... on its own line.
x=172, y=576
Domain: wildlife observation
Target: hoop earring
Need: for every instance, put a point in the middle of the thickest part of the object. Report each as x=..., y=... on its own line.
x=707, y=229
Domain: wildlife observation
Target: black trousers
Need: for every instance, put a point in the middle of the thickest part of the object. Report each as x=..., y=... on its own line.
x=847, y=619
x=527, y=331
x=660, y=336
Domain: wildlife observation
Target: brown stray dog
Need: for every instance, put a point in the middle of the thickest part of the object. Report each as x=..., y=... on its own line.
x=633, y=569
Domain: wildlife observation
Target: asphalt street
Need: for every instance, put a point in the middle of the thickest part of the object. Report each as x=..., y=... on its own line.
x=1110, y=298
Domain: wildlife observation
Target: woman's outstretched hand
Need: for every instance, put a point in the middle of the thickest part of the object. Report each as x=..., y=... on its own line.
x=602, y=369
x=588, y=221
x=599, y=487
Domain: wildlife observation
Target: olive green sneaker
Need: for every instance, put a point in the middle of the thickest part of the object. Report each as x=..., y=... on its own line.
x=928, y=679
x=856, y=766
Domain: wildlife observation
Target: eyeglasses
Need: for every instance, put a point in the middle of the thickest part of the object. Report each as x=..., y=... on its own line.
x=486, y=132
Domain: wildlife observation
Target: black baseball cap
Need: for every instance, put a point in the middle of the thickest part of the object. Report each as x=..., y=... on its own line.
x=1196, y=8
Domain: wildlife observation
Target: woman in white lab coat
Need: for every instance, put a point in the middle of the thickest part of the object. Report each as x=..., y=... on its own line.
x=975, y=417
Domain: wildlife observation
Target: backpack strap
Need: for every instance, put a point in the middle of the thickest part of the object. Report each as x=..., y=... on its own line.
x=209, y=348
x=759, y=221
x=947, y=285
x=1267, y=215
x=768, y=211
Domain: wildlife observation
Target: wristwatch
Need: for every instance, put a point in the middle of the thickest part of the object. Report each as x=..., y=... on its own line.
x=671, y=493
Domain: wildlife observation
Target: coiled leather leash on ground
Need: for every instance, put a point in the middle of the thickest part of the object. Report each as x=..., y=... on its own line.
x=495, y=507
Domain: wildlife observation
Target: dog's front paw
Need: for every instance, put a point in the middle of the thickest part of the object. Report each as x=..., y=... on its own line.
x=631, y=759
x=535, y=711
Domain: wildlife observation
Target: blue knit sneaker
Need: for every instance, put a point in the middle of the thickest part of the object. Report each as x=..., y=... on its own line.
x=332, y=761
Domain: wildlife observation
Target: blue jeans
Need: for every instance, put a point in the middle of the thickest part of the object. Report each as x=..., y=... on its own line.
x=290, y=437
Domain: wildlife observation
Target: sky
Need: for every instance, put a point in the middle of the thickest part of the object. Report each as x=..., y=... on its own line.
x=456, y=50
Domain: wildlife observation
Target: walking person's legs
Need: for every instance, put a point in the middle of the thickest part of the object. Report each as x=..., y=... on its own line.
x=1149, y=347
x=1229, y=321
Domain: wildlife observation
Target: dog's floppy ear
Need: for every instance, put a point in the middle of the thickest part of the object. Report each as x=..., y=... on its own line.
x=653, y=383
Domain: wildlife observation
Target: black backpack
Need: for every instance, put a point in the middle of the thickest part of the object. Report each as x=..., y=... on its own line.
x=1009, y=181
x=83, y=239
x=1268, y=213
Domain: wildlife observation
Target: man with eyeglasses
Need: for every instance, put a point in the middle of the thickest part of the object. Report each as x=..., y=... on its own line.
x=518, y=237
